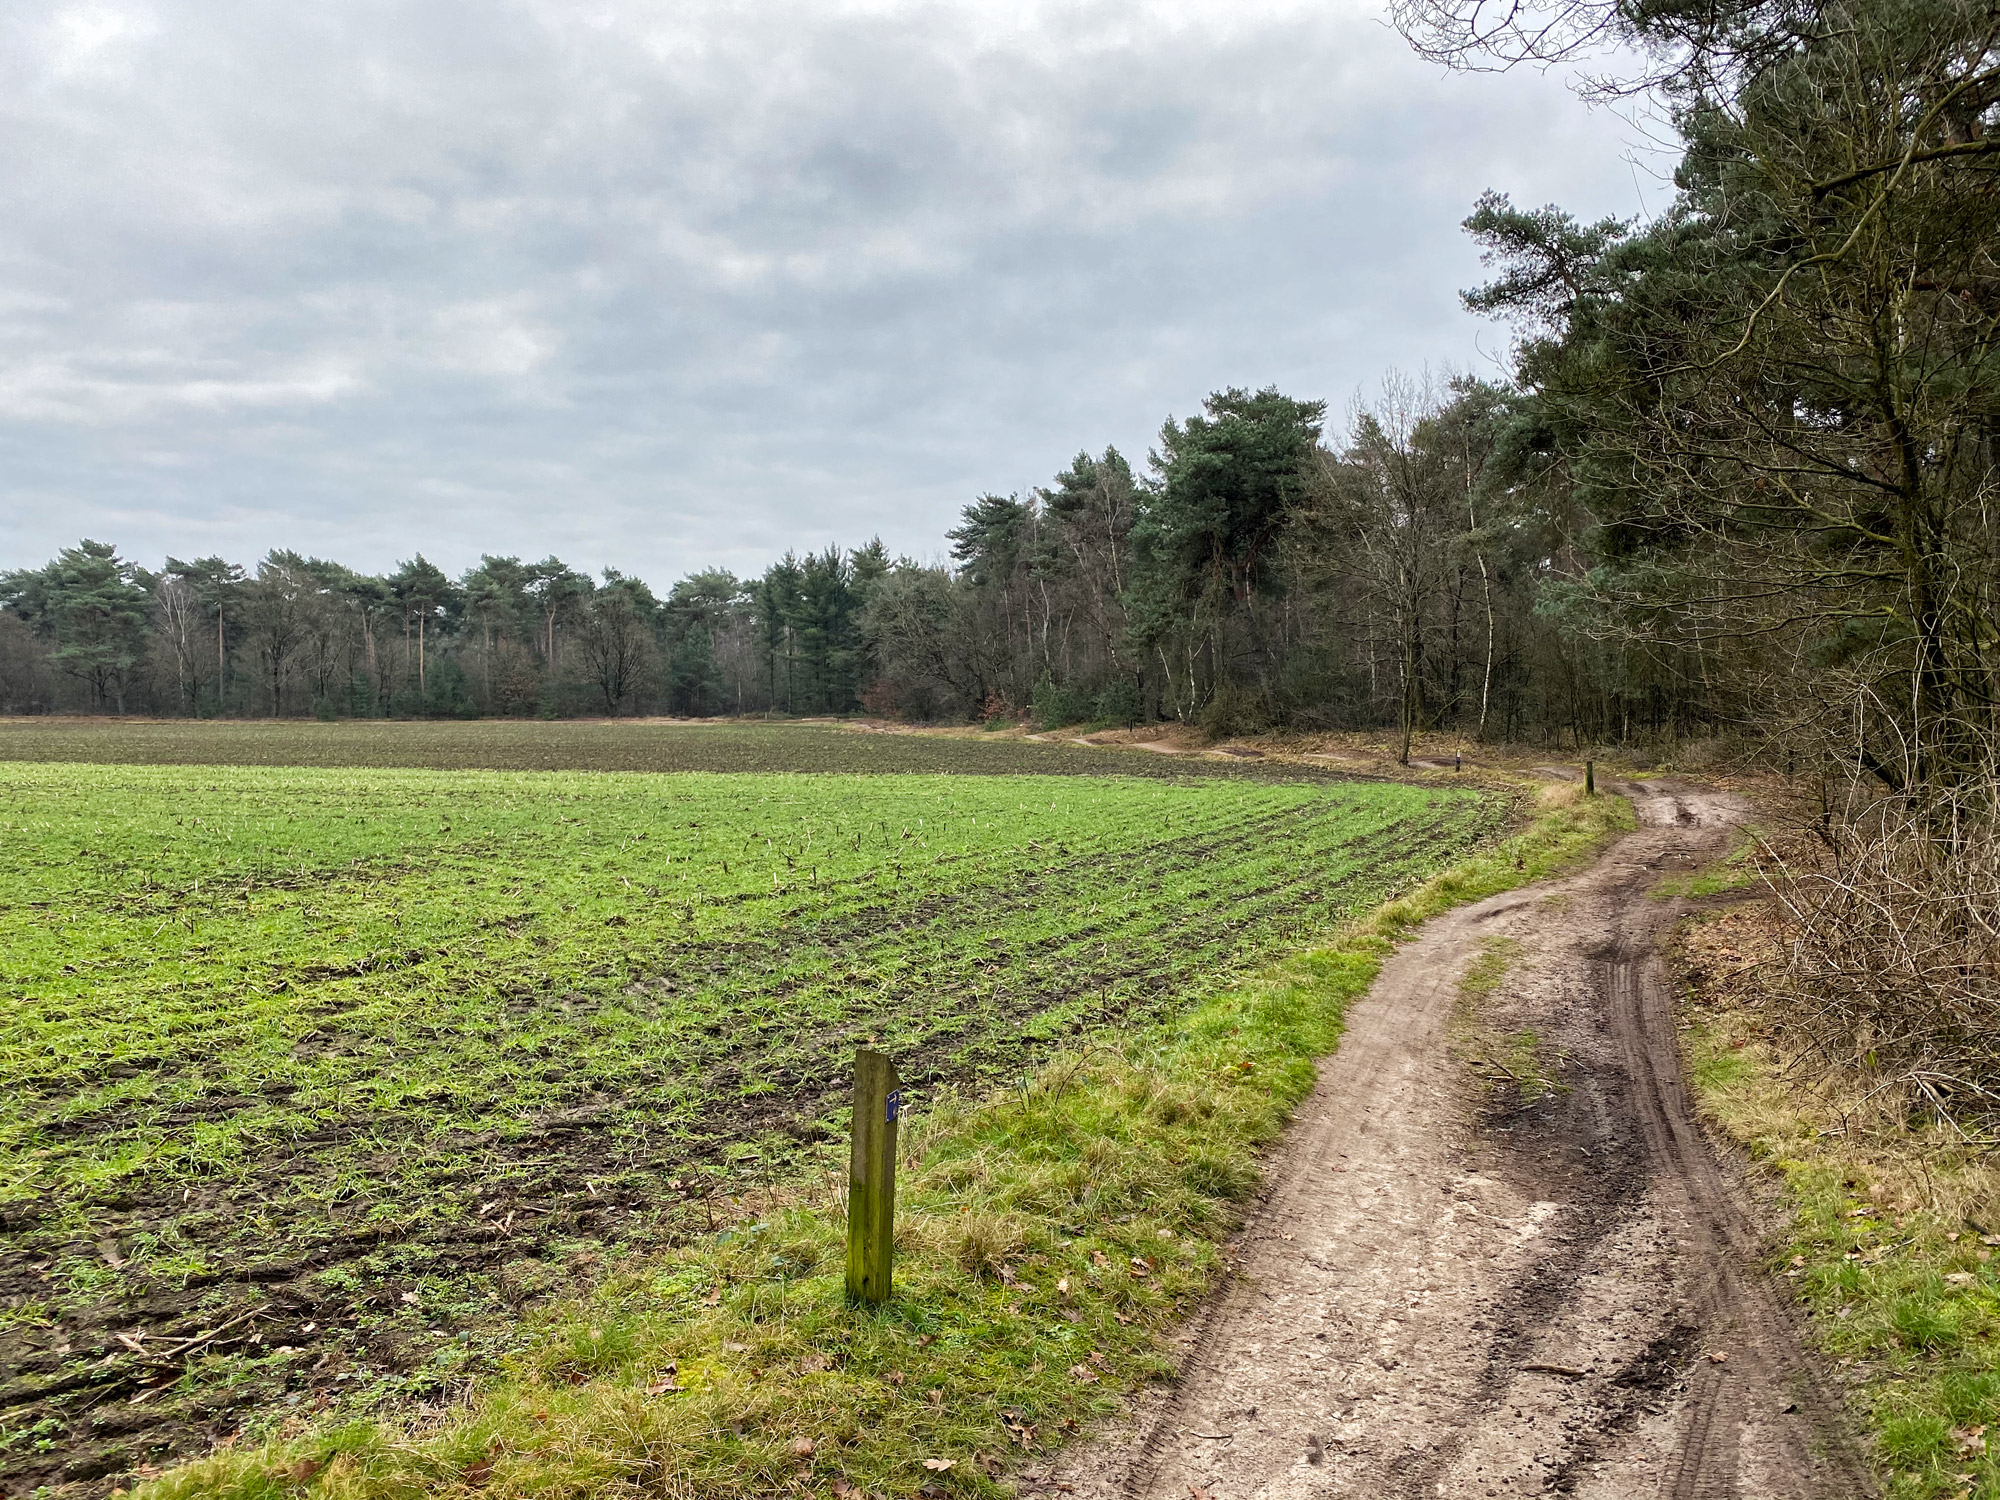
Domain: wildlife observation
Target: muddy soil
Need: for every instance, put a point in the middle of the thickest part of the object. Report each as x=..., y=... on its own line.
x=1463, y=1283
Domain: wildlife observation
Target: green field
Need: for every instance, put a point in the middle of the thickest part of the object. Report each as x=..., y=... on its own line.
x=344, y=1066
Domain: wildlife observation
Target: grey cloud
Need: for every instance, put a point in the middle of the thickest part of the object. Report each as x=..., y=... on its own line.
x=662, y=285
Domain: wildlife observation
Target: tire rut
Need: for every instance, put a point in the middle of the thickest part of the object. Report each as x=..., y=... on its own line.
x=1456, y=1289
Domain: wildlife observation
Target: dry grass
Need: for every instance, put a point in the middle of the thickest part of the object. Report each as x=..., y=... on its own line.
x=1893, y=1215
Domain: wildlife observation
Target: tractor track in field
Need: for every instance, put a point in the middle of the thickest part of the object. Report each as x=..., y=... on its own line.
x=1461, y=1291
x=114, y=1404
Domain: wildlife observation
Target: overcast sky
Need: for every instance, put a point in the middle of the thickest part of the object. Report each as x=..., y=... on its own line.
x=665, y=285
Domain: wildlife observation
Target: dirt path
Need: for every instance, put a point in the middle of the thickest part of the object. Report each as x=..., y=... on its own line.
x=1453, y=1290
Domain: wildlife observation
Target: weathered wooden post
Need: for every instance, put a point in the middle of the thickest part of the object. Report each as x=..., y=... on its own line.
x=871, y=1177
x=1590, y=778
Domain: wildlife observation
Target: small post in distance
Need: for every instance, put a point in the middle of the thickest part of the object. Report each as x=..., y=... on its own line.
x=1590, y=778
x=871, y=1178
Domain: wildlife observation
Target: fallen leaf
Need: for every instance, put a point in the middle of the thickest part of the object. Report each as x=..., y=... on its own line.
x=303, y=1471
x=478, y=1473
x=935, y=1396
x=735, y=1348
x=1062, y=1287
x=410, y=1297
x=1718, y=1357
x=1083, y=1373
x=664, y=1384
x=802, y=1447
x=939, y=1465
x=897, y=1377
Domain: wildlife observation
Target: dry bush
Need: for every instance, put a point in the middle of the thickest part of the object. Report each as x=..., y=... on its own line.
x=1892, y=935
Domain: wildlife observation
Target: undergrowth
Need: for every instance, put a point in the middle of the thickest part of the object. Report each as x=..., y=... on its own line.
x=1893, y=1217
x=1048, y=1236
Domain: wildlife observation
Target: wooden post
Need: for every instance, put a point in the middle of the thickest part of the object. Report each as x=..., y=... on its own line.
x=1590, y=778
x=871, y=1178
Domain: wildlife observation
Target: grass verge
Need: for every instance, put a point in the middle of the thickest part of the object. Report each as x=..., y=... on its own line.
x=1893, y=1221
x=1047, y=1237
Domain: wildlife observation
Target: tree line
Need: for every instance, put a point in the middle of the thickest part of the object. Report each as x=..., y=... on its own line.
x=1742, y=479
x=1253, y=575
x=298, y=636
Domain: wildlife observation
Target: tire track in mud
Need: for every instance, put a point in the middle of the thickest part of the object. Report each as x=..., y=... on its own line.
x=1458, y=1290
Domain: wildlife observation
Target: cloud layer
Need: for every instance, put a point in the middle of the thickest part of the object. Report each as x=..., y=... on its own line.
x=665, y=285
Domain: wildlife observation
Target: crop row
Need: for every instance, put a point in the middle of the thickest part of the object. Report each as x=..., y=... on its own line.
x=364, y=1059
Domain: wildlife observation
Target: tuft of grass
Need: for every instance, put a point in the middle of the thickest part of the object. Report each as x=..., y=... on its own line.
x=1893, y=1223
x=1735, y=871
x=1483, y=975
x=1049, y=1236
x=1516, y=1062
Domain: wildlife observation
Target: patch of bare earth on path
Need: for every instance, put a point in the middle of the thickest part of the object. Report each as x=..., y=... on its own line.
x=1463, y=1283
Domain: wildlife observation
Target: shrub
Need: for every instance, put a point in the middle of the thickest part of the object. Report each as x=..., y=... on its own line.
x=1892, y=917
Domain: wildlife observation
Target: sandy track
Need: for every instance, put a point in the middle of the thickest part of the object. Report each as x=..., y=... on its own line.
x=1442, y=1295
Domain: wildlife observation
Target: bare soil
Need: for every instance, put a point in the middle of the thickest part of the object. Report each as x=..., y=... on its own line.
x=1460, y=1289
